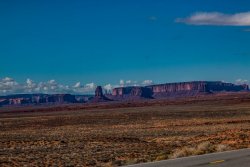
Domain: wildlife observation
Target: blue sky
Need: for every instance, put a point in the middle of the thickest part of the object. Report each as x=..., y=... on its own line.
x=104, y=41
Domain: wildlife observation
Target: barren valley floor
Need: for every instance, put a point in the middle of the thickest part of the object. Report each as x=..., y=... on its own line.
x=125, y=135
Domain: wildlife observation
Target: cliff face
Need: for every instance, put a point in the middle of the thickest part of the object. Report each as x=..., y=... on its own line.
x=98, y=92
x=37, y=99
x=16, y=101
x=178, y=89
x=133, y=91
x=62, y=98
x=221, y=86
x=3, y=102
x=55, y=98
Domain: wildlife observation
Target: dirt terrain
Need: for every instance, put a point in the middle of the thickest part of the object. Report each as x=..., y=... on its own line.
x=115, y=134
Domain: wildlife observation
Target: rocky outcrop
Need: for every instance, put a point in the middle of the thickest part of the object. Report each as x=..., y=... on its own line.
x=83, y=98
x=142, y=92
x=178, y=89
x=98, y=92
x=55, y=98
x=222, y=86
x=21, y=99
x=63, y=98
x=99, y=96
x=16, y=101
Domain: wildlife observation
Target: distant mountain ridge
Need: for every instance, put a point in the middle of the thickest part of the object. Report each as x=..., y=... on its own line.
x=168, y=90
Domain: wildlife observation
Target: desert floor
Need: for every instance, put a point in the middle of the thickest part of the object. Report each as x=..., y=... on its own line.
x=123, y=135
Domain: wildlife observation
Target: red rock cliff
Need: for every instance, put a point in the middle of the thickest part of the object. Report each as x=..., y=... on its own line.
x=181, y=88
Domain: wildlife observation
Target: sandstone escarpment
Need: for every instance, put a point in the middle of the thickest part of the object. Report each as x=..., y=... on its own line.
x=55, y=98
x=16, y=101
x=222, y=86
x=178, y=89
x=143, y=92
x=62, y=98
x=21, y=99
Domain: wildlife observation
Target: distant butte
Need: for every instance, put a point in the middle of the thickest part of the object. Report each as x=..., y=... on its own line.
x=99, y=96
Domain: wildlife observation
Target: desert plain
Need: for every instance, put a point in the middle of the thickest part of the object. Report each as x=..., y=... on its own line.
x=117, y=134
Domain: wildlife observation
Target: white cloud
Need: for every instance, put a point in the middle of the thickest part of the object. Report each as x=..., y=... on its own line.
x=122, y=82
x=31, y=86
x=29, y=82
x=88, y=88
x=108, y=87
x=6, y=79
x=128, y=82
x=90, y=85
x=77, y=85
x=147, y=82
x=10, y=86
x=241, y=81
x=53, y=82
x=216, y=18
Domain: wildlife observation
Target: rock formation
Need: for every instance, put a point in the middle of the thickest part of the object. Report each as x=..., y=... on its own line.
x=178, y=89
x=16, y=101
x=168, y=90
x=3, y=102
x=21, y=99
x=62, y=98
x=136, y=91
x=98, y=92
x=99, y=96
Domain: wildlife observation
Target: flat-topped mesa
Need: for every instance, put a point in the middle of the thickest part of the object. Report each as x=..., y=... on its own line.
x=199, y=86
x=16, y=101
x=63, y=98
x=180, y=86
x=54, y=98
x=179, y=89
x=222, y=86
x=20, y=99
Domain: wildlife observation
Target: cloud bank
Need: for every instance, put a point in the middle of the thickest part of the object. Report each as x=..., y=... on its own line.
x=216, y=18
x=10, y=86
x=241, y=81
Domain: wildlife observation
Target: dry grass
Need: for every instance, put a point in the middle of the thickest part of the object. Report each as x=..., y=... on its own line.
x=202, y=148
x=115, y=137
